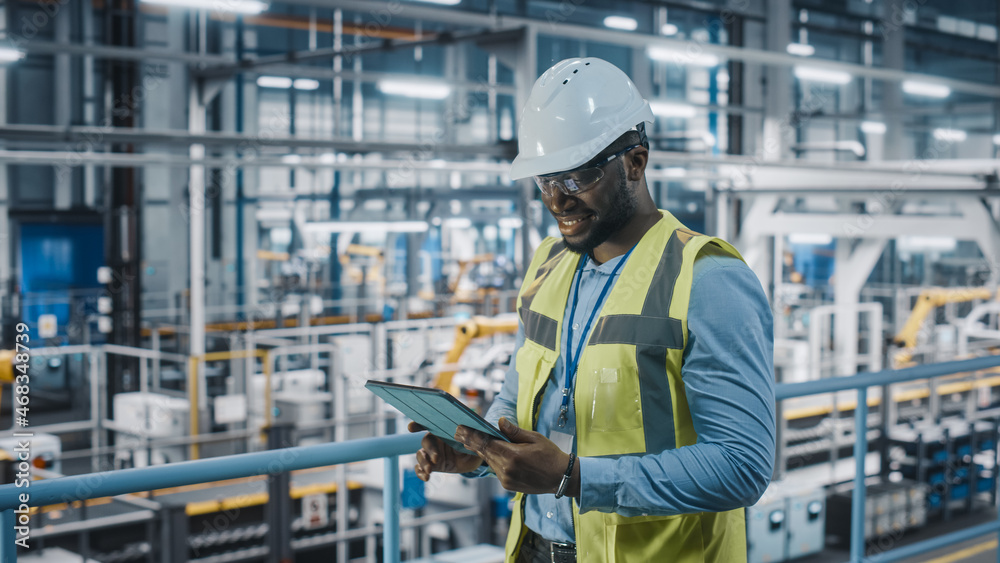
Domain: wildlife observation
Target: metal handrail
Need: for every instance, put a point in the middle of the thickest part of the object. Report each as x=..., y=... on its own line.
x=861, y=382
x=112, y=483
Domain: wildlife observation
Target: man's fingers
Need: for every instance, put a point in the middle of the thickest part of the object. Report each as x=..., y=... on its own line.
x=474, y=440
x=414, y=427
x=422, y=459
x=515, y=433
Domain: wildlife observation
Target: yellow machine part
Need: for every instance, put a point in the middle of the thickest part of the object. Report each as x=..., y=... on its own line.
x=7, y=366
x=476, y=327
x=926, y=303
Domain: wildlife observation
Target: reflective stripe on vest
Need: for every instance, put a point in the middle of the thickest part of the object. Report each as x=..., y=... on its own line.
x=538, y=327
x=629, y=393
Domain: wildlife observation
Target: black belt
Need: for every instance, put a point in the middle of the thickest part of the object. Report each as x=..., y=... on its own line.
x=559, y=552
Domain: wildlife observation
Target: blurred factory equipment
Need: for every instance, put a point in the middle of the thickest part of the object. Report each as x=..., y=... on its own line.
x=788, y=522
x=927, y=302
x=141, y=417
x=215, y=240
x=891, y=508
x=465, y=333
x=43, y=451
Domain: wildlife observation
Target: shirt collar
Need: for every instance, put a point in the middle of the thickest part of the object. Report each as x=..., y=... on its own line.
x=605, y=268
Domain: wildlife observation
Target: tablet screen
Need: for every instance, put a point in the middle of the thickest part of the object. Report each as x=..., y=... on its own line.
x=434, y=409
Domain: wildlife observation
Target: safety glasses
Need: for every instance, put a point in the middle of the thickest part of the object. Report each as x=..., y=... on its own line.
x=577, y=181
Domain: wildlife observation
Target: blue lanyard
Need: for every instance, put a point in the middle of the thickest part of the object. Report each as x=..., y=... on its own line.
x=573, y=360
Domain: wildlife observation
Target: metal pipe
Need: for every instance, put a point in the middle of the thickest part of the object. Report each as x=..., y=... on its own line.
x=196, y=230
x=113, y=483
x=858, y=496
x=8, y=549
x=636, y=40
x=96, y=409
x=390, y=505
x=926, y=546
x=886, y=377
x=387, y=44
x=70, y=158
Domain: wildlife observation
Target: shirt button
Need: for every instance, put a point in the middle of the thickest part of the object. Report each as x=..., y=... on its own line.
x=548, y=515
x=576, y=326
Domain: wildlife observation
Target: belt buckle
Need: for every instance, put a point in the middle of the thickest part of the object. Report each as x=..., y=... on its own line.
x=562, y=552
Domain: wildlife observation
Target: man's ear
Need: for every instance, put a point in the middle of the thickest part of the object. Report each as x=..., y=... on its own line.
x=635, y=163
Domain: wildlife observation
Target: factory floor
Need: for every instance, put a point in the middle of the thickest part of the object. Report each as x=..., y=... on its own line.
x=978, y=550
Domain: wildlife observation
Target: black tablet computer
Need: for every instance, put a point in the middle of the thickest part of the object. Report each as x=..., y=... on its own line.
x=434, y=409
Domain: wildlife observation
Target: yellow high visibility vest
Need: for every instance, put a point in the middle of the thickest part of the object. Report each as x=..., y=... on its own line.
x=629, y=395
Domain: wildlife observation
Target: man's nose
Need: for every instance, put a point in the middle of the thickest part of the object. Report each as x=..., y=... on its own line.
x=559, y=202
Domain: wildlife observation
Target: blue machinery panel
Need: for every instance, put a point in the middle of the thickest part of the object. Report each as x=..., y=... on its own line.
x=56, y=258
x=95, y=485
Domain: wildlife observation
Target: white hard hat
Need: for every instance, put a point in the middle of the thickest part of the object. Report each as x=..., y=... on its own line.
x=574, y=111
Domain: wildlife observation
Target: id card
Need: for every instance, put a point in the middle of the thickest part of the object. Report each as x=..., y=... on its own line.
x=563, y=440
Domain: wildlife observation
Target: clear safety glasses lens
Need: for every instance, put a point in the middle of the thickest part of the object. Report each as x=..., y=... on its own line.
x=571, y=183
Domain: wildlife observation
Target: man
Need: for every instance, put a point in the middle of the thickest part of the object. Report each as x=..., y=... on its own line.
x=642, y=385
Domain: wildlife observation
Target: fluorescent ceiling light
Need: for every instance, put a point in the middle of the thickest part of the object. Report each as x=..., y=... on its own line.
x=873, y=127
x=926, y=89
x=414, y=89
x=325, y=227
x=682, y=57
x=305, y=84
x=328, y=158
x=809, y=238
x=675, y=172
x=9, y=55
x=822, y=75
x=274, y=82
x=458, y=222
x=291, y=159
x=918, y=244
x=670, y=109
x=274, y=214
x=669, y=29
x=801, y=49
x=235, y=6
x=996, y=139
x=950, y=135
x=621, y=22
x=510, y=222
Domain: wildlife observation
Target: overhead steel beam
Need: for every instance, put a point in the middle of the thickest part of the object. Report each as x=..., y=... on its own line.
x=856, y=192
x=394, y=8
x=322, y=73
x=39, y=47
x=91, y=136
x=479, y=192
x=383, y=44
x=844, y=224
x=425, y=163
x=69, y=158
x=283, y=67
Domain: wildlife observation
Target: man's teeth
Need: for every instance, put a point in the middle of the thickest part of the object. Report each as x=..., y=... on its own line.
x=568, y=223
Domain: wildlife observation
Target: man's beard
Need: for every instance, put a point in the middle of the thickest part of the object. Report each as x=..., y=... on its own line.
x=622, y=210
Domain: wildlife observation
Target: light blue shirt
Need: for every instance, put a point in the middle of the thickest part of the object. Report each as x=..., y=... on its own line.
x=729, y=381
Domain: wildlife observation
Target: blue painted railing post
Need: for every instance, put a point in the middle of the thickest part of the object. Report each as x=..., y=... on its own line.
x=390, y=505
x=8, y=549
x=858, y=498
